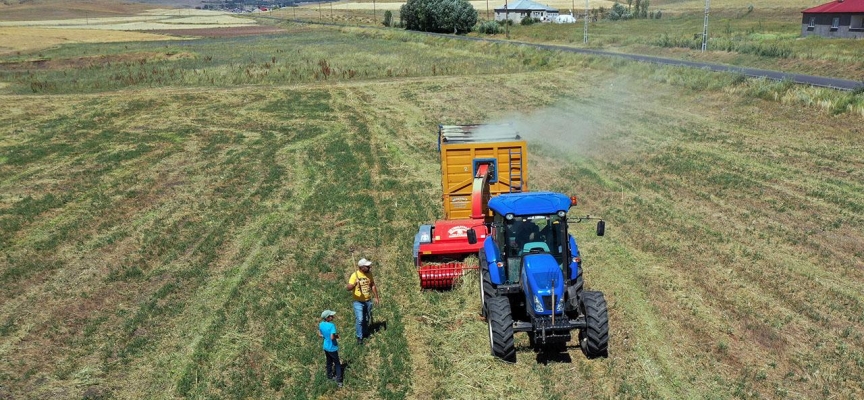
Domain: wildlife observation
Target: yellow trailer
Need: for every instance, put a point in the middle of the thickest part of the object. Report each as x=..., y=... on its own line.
x=464, y=148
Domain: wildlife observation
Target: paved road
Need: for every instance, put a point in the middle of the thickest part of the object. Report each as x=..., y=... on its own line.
x=821, y=81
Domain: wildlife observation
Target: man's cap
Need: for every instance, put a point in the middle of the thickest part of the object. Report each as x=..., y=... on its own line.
x=364, y=262
x=327, y=313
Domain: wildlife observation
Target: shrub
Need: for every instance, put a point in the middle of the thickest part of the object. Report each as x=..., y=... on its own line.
x=489, y=28
x=528, y=21
x=388, y=18
x=443, y=16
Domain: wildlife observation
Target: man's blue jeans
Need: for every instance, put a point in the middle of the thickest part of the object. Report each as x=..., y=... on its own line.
x=362, y=314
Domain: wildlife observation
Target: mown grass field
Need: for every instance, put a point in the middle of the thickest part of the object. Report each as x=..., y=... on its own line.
x=175, y=215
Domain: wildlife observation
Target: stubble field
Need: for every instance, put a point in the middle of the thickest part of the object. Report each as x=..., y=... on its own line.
x=177, y=233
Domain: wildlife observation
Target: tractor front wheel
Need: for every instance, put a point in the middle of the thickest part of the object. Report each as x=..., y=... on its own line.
x=500, y=320
x=487, y=288
x=594, y=339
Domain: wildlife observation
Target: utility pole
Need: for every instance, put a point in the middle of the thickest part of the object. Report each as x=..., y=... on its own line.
x=506, y=20
x=585, y=34
x=374, y=16
x=487, y=9
x=705, y=28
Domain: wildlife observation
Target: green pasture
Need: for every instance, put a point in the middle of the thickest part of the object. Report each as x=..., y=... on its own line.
x=175, y=216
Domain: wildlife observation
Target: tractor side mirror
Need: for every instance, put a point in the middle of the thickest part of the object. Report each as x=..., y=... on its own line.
x=601, y=227
x=472, y=236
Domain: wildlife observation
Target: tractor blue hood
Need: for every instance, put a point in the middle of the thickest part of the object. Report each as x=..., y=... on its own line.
x=531, y=203
x=541, y=276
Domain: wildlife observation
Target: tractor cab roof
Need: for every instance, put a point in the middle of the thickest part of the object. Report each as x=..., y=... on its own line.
x=530, y=203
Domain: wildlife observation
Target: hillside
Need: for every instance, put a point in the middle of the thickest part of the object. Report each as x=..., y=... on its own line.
x=175, y=215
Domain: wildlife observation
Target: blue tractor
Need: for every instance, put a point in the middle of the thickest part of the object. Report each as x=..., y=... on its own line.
x=531, y=277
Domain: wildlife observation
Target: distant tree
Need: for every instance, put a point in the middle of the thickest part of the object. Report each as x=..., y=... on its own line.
x=388, y=18
x=658, y=14
x=444, y=16
x=644, y=13
x=619, y=12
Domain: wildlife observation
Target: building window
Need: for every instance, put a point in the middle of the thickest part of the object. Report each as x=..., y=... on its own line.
x=835, y=23
x=812, y=23
x=857, y=22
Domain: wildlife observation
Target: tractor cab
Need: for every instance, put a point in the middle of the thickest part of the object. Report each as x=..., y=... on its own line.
x=526, y=236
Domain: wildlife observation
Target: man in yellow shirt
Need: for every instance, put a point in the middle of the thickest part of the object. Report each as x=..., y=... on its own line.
x=362, y=285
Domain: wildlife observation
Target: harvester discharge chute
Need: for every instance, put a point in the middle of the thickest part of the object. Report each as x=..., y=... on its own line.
x=478, y=162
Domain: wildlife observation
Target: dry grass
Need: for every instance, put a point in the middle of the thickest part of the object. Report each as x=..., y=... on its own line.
x=699, y=5
x=40, y=33
x=34, y=10
x=27, y=39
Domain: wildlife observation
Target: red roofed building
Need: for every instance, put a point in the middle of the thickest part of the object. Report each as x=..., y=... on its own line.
x=839, y=18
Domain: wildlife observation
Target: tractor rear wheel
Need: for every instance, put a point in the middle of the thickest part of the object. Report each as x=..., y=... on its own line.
x=500, y=320
x=594, y=339
x=487, y=288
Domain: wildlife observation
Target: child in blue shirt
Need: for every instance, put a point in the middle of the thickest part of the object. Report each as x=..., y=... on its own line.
x=327, y=331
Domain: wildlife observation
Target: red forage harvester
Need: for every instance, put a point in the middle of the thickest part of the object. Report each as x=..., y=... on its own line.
x=477, y=163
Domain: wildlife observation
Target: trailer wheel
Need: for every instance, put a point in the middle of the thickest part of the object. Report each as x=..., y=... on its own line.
x=487, y=288
x=500, y=320
x=594, y=339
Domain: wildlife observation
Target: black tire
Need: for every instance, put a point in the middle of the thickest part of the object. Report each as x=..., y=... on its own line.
x=500, y=321
x=487, y=288
x=594, y=339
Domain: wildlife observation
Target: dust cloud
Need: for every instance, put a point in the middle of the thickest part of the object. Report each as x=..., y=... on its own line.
x=569, y=128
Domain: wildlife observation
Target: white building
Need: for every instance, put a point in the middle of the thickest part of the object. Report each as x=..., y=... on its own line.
x=565, y=19
x=516, y=11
